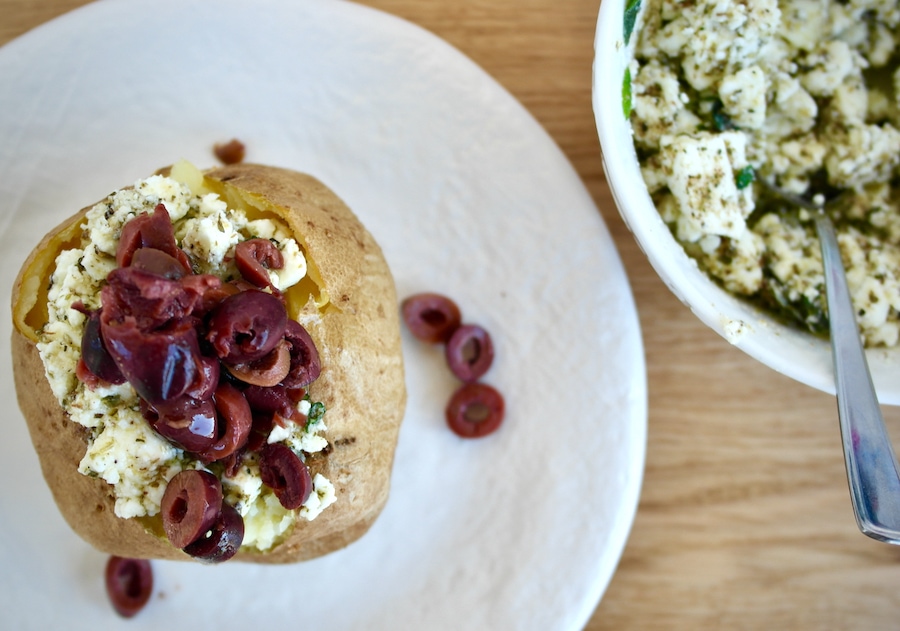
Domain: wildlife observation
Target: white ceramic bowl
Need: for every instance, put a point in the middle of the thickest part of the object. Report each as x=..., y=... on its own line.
x=792, y=352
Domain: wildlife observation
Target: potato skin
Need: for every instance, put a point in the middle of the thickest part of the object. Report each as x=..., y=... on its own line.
x=362, y=383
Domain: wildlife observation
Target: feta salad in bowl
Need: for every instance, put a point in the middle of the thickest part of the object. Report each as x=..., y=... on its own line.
x=704, y=109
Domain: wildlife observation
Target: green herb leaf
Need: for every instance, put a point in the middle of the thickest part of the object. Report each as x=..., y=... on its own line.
x=632, y=8
x=745, y=177
x=626, y=94
x=316, y=412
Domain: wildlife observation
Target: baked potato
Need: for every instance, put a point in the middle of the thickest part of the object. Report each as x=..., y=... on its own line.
x=347, y=302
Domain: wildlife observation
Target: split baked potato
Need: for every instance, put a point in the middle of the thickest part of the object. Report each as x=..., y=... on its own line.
x=346, y=301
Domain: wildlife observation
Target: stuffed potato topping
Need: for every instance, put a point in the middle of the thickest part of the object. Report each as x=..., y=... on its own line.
x=209, y=365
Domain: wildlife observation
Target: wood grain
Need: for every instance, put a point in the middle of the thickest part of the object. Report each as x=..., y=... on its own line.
x=744, y=520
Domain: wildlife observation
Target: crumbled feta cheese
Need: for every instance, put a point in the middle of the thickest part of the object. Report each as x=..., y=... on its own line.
x=735, y=330
x=294, y=268
x=134, y=459
x=208, y=239
x=321, y=498
x=829, y=65
x=792, y=111
x=302, y=439
x=722, y=37
x=268, y=229
x=735, y=262
x=788, y=89
x=861, y=154
x=657, y=100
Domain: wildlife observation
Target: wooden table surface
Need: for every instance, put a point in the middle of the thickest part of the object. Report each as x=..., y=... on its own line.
x=744, y=520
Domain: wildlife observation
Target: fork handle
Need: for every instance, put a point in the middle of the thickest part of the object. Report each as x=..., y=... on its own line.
x=872, y=470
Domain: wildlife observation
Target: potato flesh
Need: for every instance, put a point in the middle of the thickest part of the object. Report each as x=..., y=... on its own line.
x=257, y=207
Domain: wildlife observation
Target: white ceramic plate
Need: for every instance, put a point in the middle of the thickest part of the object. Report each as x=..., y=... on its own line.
x=467, y=195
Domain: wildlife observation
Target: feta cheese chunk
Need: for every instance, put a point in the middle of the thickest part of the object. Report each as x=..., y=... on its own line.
x=702, y=179
x=209, y=239
x=743, y=97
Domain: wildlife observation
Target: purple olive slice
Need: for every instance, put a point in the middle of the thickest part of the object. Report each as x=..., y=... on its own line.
x=266, y=372
x=157, y=262
x=246, y=326
x=150, y=230
x=222, y=540
x=282, y=471
x=95, y=354
x=129, y=584
x=235, y=422
x=469, y=352
x=188, y=423
x=254, y=258
x=274, y=399
x=430, y=317
x=190, y=506
x=161, y=365
x=475, y=410
x=207, y=378
x=305, y=363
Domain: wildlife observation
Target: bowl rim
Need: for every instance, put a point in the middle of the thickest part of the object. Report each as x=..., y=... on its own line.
x=794, y=353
